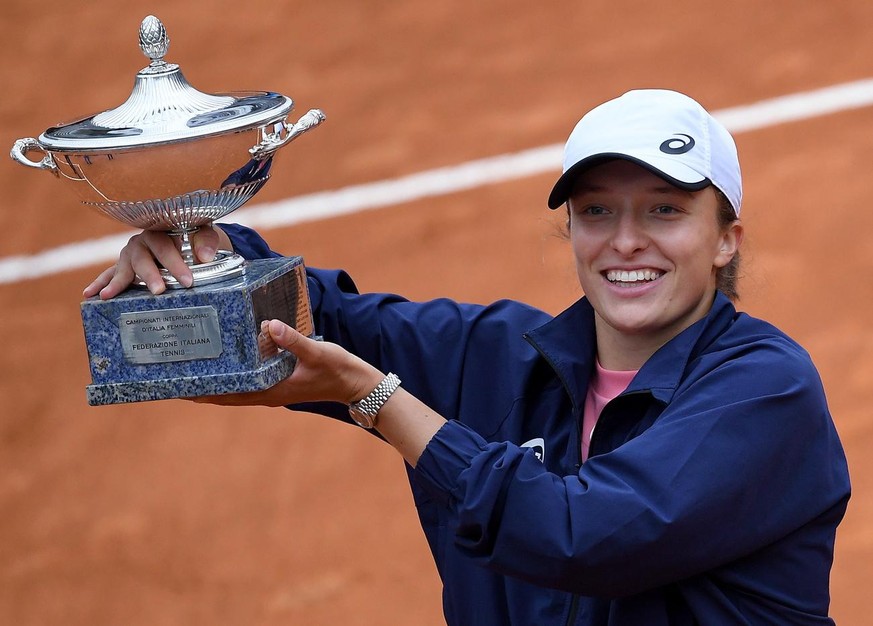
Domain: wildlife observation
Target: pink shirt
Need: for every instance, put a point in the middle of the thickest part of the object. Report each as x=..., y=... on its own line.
x=604, y=386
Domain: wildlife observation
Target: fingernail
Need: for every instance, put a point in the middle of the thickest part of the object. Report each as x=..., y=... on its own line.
x=206, y=253
x=187, y=281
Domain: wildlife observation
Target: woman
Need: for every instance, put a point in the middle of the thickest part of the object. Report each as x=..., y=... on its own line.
x=649, y=456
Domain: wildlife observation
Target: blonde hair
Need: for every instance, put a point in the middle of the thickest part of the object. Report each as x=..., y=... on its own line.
x=726, y=277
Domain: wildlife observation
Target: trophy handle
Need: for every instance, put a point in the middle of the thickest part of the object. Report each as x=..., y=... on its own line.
x=273, y=141
x=19, y=152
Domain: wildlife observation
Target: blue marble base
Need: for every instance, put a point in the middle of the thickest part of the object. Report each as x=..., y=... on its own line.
x=195, y=342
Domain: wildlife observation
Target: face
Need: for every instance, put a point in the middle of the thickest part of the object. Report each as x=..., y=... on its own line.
x=646, y=255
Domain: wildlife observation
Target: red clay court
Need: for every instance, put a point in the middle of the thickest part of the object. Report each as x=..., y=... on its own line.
x=175, y=513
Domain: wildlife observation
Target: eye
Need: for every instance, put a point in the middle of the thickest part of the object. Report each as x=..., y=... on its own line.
x=666, y=209
x=592, y=209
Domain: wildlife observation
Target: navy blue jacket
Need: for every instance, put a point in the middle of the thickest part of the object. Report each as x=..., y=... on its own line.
x=712, y=494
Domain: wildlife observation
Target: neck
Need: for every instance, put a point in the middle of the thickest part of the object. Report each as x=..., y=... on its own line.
x=618, y=351
x=629, y=350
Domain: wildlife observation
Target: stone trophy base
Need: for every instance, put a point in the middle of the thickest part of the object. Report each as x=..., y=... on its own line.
x=195, y=342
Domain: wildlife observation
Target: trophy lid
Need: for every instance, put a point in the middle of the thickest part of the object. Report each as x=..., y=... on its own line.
x=164, y=107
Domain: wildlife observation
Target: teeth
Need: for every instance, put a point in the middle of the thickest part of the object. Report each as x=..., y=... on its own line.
x=633, y=276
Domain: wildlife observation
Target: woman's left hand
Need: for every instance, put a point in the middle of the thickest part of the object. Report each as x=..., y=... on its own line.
x=327, y=372
x=324, y=372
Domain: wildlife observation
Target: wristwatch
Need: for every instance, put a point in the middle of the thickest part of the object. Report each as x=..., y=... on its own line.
x=364, y=411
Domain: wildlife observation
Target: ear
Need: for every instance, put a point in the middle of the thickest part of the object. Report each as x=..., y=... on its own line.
x=729, y=243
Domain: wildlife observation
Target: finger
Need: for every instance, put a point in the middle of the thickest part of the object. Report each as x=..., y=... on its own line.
x=121, y=279
x=157, y=248
x=141, y=263
x=288, y=338
x=266, y=397
x=230, y=399
x=205, y=242
x=99, y=283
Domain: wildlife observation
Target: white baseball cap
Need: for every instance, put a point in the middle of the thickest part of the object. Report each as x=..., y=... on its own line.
x=664, y=131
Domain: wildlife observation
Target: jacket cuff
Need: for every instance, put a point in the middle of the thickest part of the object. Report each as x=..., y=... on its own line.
x=247, y=242
x=449, y=452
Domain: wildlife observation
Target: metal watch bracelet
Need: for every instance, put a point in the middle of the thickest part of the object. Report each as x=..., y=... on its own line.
x=364, y=411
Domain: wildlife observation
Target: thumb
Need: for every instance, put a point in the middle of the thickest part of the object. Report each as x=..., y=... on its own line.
x=287, y=337
x=205, y=244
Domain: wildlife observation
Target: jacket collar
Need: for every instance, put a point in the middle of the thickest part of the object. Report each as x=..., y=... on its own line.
x=567, y=342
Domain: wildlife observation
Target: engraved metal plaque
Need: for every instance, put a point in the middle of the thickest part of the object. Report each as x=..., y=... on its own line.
x=163, y=336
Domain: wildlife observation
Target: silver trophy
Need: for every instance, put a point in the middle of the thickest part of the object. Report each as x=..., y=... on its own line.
x=172, y=158
x=169, y=158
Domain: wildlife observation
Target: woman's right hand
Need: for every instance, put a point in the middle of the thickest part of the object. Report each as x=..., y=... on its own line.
x=146, y=252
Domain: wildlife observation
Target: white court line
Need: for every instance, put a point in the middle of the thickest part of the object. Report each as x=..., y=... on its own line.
x=435, y=182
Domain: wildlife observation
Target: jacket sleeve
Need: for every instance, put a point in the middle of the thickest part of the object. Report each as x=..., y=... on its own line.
x=427, y=344
x=248, y=243
x=741, y=458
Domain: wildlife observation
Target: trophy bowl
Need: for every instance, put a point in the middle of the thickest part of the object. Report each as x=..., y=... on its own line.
x=171, y=158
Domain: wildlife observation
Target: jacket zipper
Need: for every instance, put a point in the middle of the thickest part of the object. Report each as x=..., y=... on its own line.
x=577, y=410
x=603, y=413
x=574, y=608
x=577, y=424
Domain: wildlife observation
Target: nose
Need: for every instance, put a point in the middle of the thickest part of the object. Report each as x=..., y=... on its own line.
x=630, y=235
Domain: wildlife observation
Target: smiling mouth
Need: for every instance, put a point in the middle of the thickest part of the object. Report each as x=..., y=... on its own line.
x=632, y=278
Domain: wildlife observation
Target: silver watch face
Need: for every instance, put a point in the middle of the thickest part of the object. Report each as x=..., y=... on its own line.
x=361, y=419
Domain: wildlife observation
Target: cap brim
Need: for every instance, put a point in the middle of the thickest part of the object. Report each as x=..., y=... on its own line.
x=673, y=172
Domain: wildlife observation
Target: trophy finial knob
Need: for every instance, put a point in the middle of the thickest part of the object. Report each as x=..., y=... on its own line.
x=153, y=39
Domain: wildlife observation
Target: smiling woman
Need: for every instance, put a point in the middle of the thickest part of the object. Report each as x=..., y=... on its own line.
x=726, y=277
x=649, y=456
x=647, y=254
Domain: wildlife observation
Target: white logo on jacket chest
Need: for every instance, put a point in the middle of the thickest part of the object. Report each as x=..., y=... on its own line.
x=539, y=447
